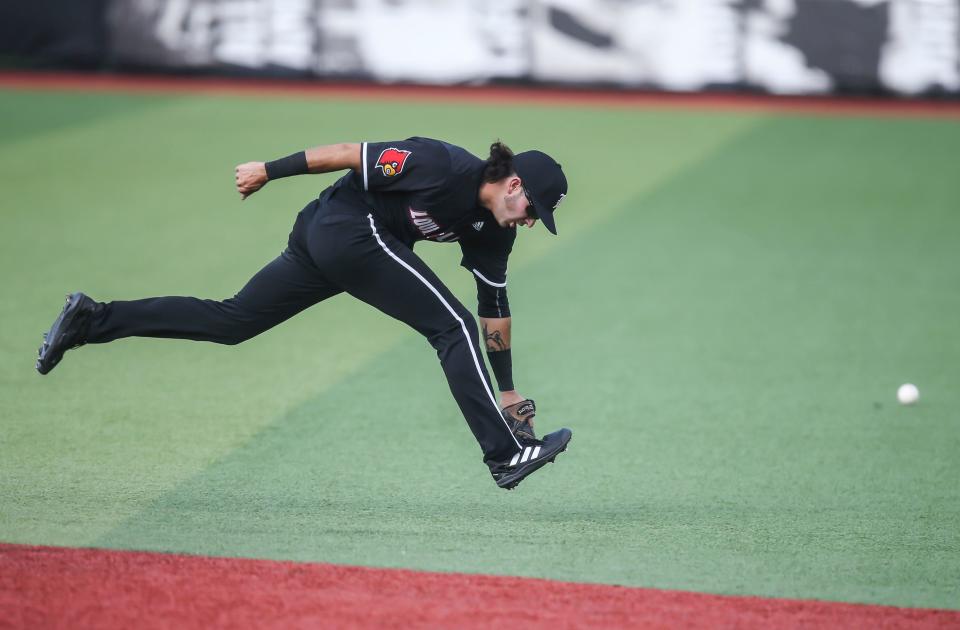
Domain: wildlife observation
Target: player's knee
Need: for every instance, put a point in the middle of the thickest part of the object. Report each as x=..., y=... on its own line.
x=238, y=331
x=238, y=324
x=457, y=330
x=243, y=332
x=469, y=323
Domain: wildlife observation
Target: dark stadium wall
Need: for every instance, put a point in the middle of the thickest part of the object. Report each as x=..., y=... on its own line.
x=52, y=33
x=892, y=47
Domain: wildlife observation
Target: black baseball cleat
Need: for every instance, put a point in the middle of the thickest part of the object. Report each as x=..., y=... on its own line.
x=69, y=330
x=535, y=454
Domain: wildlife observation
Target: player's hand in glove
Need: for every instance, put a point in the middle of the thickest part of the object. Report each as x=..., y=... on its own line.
x=520, y=418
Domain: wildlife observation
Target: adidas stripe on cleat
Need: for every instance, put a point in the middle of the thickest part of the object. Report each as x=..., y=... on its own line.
x=535, y=454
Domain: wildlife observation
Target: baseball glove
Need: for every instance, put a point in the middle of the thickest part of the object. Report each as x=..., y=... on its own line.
x=520, y=418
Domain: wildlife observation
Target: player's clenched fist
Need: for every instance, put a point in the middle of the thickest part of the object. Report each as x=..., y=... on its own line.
x=251, y=177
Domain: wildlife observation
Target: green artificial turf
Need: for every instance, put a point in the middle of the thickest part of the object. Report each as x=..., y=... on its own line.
x=723, y=322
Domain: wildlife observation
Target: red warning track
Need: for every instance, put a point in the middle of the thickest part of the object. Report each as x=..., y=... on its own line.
x=44, y=587
x=830, y=106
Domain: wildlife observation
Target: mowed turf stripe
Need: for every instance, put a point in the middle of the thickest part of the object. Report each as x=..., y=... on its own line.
x=389, y=441
x=728, y=355
x=58, y=587
x=742, y=377
x=26, y=117
x=114, y=426
x=151, y=211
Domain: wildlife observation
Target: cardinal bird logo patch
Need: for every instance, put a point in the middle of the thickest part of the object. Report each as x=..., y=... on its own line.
x=391, y=161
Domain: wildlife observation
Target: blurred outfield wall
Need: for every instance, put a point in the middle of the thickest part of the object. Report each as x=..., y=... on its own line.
x=904, y=47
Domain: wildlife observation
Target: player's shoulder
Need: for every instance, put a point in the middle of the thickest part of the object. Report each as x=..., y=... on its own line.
x=425, y=147
x=429, y=152
x=455, y=153
x=415, y=160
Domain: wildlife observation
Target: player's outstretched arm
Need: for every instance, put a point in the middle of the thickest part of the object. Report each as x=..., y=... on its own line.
x=252, y=176
x=517, y=410
x=496, y=336
x=334, y=157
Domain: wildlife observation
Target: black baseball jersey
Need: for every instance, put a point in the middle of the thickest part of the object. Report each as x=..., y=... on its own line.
x=424, y=189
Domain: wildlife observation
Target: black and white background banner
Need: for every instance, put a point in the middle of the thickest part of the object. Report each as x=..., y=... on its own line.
x=780, y=46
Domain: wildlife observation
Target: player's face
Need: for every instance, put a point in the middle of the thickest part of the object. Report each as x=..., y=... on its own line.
x=515, y=208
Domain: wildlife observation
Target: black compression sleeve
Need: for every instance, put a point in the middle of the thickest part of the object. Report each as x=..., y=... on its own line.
x=295, y=164
x=502, y=365
x=492, y=301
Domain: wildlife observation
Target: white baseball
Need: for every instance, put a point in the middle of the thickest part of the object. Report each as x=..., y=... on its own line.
x=908, y=394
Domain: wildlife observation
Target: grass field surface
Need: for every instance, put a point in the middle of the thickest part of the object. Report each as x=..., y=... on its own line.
x=723, y=321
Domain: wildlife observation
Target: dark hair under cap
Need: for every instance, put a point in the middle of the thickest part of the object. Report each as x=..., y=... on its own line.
x=499, y=164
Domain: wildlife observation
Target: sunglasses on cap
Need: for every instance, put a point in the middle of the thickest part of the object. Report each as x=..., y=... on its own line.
x=531, y=209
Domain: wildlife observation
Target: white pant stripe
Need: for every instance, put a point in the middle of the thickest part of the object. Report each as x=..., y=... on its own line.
x=463, y=326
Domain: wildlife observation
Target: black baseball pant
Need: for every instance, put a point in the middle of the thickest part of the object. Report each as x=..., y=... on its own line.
x=334, y=247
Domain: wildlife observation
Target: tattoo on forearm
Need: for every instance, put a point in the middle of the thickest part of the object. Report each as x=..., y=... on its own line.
x=494, y=340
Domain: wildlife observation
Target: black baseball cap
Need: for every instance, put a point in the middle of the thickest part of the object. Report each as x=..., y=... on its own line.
x=544, y=181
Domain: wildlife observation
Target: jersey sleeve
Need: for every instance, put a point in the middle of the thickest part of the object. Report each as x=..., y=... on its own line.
x=485, y=256
x=403, y=165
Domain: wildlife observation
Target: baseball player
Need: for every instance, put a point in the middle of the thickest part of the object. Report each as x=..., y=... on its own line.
x=358, y=237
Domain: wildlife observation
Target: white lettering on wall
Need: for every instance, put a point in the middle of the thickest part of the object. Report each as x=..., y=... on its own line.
x=922, y=52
